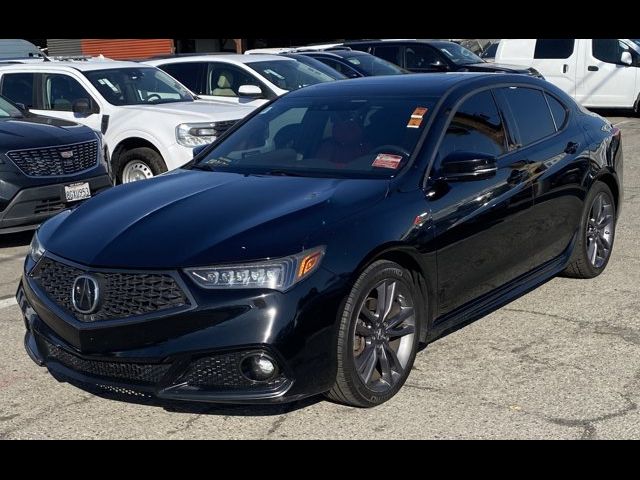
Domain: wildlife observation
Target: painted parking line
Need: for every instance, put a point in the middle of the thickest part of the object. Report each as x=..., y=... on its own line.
x=7, y=302
x=623, y=122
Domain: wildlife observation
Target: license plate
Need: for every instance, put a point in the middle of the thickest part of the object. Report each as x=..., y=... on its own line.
x=77, y=191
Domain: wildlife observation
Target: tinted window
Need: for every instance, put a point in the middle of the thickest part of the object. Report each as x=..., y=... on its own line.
x=558, y=110
x=18, y=87
x=225, y=80
x=554, y=48
x=476, y=127
x=371, y=65
x=608, y=50
x=189, y=74
x=345, y=136
x=61, y=91
x=418, y=57
x=390, y=54
x=530, y=112
x=8, y=110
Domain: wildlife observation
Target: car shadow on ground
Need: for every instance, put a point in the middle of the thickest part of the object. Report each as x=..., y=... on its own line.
x=614, y=112
x=19, y=239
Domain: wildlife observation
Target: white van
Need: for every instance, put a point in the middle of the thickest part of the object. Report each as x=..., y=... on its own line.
x=597, y=72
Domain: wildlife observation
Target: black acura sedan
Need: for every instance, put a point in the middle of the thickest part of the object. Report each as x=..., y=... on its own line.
x=320, y=241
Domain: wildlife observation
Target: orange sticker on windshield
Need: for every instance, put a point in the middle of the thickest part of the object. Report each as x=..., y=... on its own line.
x=416, y=117
x=385, y=160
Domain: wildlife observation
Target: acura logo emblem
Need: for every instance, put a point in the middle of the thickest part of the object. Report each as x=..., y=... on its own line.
x=67, y=154
x=85, y=294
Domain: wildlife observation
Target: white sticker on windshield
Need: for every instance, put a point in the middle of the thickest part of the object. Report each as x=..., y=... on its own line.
x=275, y=74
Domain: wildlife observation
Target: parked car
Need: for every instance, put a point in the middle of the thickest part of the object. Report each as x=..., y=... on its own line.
x=149, y=120
x=46, y=165
x=250, y=80
x=596, y=72
x=434, y=56
x=354, y=64
x=359, y=218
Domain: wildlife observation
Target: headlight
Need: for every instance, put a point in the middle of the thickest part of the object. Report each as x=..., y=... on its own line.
x=277, y=274
x=194, y=134
x=36, y=250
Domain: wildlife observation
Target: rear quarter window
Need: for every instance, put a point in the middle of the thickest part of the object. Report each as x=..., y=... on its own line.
x=558, y=110
x=530, y=112
x=553, y=48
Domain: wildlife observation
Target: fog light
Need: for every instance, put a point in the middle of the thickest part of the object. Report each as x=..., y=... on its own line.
x=258, y=367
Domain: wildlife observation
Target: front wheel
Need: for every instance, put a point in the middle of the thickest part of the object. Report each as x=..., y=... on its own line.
x=378, y=336
x=139, y=164
x=595, y=237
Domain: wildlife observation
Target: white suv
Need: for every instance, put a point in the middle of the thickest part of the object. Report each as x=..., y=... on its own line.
x=149, y=120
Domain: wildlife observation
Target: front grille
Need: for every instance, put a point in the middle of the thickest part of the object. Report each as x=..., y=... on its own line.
x=137, y=372
x=122, y=294
x=222, y=127
x=49, y=161
x=223, y=372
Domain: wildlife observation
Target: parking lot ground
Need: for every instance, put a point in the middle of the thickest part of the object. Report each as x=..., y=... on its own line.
x=560, y=362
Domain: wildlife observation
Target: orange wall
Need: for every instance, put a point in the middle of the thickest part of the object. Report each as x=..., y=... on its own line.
x=127, y=48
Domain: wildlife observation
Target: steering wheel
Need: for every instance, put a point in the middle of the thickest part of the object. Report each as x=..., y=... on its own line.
x=390, y=149
x=153, y=95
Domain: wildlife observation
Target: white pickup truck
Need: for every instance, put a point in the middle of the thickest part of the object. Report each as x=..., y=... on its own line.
x=149, y=120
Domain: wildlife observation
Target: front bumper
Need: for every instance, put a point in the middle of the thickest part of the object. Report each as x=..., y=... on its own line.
x=32, y=206
x=192, y=355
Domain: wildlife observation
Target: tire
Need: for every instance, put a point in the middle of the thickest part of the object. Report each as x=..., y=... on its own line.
x=352, y=351
x=582, y=264
x=144, y=161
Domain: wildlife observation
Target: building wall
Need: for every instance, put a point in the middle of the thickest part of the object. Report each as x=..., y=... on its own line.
x=127, y=48
x=63, y=46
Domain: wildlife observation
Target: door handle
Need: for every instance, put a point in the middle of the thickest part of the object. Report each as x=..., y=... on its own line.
x=572, y=147
x=565, y=68
x=592, y=68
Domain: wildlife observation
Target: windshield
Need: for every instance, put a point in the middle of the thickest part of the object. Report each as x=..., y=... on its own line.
x=289, y=74
x=7, y=110
x=318, y=65
x=137, y=86
x=359, y=137
x=458, y=54
x=371, y=65
x=636, y=41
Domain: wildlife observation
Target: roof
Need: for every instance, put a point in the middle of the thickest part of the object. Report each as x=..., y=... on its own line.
x=417, y=84
x=81, y=66
x=231, y=58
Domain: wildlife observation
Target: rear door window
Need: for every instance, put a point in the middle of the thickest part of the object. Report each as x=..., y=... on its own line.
x=530, y=112
x=18, y=87
x=189, y=74
x=389, y=53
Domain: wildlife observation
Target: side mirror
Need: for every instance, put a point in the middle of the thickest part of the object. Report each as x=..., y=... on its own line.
x=196, y=150
x=626, y=58
x=463, y=166
x=82, y=106
x=249, y=91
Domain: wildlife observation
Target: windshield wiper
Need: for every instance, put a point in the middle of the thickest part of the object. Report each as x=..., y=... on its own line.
x=282, y=173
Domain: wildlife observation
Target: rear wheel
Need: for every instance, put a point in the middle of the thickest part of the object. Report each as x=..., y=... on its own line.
x=378, y=336
x=595, y=238
x=139, y=164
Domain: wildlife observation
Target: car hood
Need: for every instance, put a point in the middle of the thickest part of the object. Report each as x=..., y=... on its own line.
x=497, y=67
x=199, y=110
x=192, y=217
x=35, y=131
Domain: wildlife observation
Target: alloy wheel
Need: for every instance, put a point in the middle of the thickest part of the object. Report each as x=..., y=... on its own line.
x=383, y=335
x=599, y=231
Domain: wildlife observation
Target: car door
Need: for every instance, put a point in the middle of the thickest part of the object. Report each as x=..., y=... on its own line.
x=57, y=96
x=551, y=146
x=480, y=224
x=223, y=82
x=607, y=81
x=557, y=60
